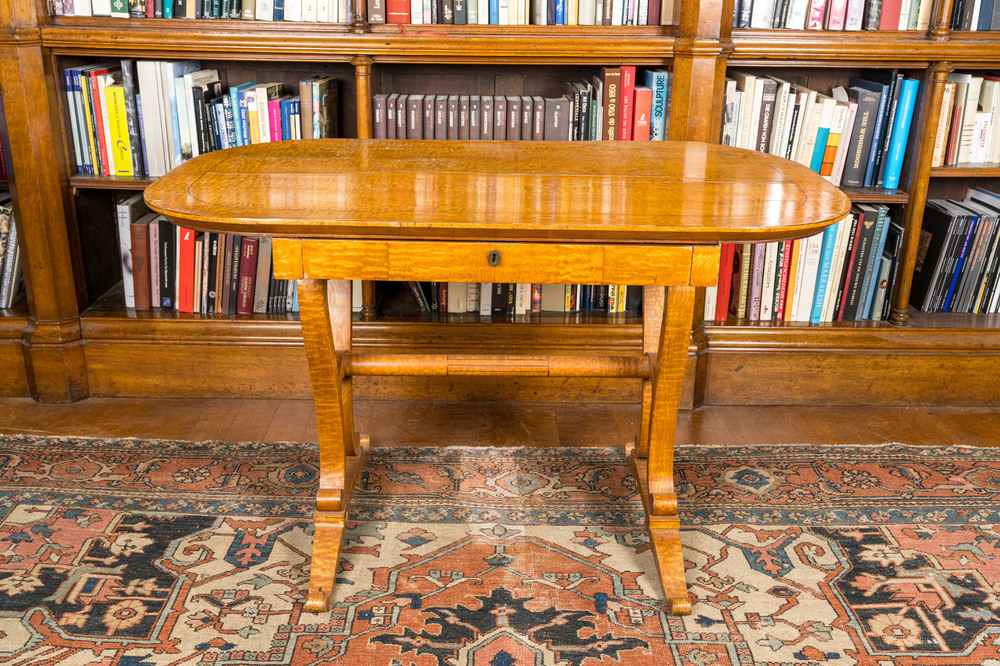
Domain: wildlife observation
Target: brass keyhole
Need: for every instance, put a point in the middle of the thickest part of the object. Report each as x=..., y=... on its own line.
x=493, y=258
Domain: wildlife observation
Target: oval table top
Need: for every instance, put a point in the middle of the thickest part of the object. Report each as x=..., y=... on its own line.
x=565, y=191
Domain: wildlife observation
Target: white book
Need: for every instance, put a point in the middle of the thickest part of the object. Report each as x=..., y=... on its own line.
x=486, y=298
x=989, y=98
x=357, y=297
x=200, y=78
x=779, y=132
x=100, y=8
x=924, y=15
x=128, y=210
x=792, y=299
x=504, y=12
x=822, y=110
x=263, y=113
x=148, y=74
x=855, y=15
x=308, y=10
x=745, y=83
x=588, y=12
x=904, y=15
x=539, y=12
x=975, y=13
x=845, y=143
x=473, y=297
x=458, y=297
x=183, y=124
x=416, y=11
x=711, y=297
x=969, y=118
x=264, y=10
x=84, y=7
x=342, y=16
x=812, y=247
x=767, y=287
x=762, y=15
x=323, y=11
x=806, y=101
x=293, y=10
x=979, y=137
x=617, y=9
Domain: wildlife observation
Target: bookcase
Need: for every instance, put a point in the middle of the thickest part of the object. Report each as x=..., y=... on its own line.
x=76, y=339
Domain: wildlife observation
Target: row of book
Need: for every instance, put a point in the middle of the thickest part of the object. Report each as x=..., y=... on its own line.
x=11, y=272
x=315, y=11
x=609, y=106
x=524, y=12
x=975, y=15
x=853, y=137
x=502, y=299
x=143, y=118
x=845, y=273
x=958, y=262
x=967, y=129
x=834, y=14
x=170, y=267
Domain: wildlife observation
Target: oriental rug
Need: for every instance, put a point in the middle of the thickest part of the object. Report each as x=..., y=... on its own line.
x=155, y=552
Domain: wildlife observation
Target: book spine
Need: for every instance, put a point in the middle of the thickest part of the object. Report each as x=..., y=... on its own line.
x=139, y=234
x=900, y=133
x=247, y=276
x=823, y=274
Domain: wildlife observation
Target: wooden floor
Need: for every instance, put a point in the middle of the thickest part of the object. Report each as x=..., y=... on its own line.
x=499, y=424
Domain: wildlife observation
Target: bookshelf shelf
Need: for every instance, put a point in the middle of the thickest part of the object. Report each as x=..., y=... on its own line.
x=82, y=345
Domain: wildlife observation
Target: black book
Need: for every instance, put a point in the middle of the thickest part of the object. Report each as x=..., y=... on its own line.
x=168, y=263
x=234, y=273
x=893, y=247
x=863, y=241
x=600, y=297
x=180, y=8
x=499, y=300
x=845, y=274
x=461, y=15
x=893, y=79
x=434, y=296
x=213, y=270
x=633, y=299
x=861, y=136
x=446, y=12
x=236, y=9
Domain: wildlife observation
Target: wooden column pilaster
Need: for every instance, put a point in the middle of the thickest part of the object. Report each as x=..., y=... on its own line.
x=53, y=351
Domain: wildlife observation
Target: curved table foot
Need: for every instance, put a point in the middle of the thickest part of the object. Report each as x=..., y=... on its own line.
x=327, y=539
x=664, y=532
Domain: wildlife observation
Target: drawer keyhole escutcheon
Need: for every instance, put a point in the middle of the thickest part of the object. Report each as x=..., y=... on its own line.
x=493, y=258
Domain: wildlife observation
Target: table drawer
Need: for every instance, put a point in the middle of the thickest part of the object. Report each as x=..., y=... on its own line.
x=496, y=262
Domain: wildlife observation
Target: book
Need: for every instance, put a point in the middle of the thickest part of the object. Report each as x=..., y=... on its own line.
x=129, y=210
x=247, y=276
x=860, y=144
x=900, y=133
x=139, y=252
x=262, y=278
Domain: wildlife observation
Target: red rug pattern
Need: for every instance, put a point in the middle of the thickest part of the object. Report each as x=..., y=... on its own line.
x=152, y=552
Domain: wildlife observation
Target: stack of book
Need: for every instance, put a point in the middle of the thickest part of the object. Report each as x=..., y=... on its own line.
x=317, y=11
x=845, y=273
x=525, y=12
x=975, y=15
x=957, y=263
x=143, y=118
x=168, y=267
x=11, y=273
x=609, y=106
x=967, y=125
x=855, y=136
x=834, y=14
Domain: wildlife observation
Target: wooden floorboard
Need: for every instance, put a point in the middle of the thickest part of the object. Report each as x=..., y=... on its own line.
x=499, y=424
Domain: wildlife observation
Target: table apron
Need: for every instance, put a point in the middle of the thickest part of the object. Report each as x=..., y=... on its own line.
x=466, y=261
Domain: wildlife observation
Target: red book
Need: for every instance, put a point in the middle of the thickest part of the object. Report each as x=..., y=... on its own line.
x=643, y=110
x=248, y=275
x=99, y=111
x=397, y=11
x=954, y=136
x=724, y=285
x=889, y=18
x=626, y=104
x=139, y=231
x=185, y=269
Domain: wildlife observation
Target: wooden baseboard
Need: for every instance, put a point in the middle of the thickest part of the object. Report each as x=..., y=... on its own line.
x=13, y=377
x=739, y=365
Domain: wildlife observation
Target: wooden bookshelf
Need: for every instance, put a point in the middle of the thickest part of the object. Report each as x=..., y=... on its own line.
x=77, y=339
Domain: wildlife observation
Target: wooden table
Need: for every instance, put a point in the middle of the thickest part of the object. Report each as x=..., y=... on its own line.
x=545, y=212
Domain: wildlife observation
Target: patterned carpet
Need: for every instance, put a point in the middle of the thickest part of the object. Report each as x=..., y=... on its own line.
x=151, y=552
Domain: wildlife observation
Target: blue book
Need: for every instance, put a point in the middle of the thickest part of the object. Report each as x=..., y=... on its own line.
x=279, y=10
x=297, y=114
x=244, y=112
x=494, y=12
x=560, y=12
x=656, y=80
x=242, y=138
x=817, y=158
x=879, y=130
x=286, y=119
x=823, y=275
x=970, y=233
x=900, y=133
x=870, y=281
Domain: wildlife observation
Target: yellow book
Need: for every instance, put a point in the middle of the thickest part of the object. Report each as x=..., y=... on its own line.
x=118, y=125
x=251, y=98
